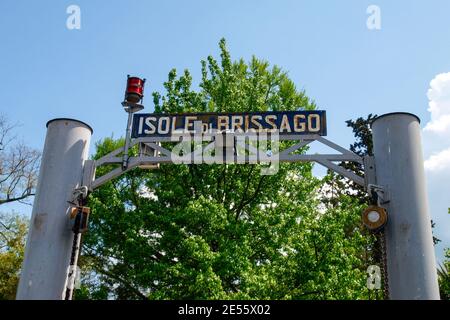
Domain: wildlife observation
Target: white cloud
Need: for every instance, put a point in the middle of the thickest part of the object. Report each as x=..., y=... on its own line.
x=439, y=161
x=441, y=125
x=436, y=141
x=439, y=105
x=437, y=130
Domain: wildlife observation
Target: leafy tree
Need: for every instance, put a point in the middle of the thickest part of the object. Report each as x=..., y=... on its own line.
x=222, y=231
x=337, y=188
x=444, y=276
x=13, y=230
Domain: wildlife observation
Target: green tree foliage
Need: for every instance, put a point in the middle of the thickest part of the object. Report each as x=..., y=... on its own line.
x=336, y=187
x=444, y=276
x=223, y=231
x=13, y=230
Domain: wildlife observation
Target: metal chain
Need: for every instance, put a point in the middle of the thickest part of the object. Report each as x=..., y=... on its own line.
x=76, y=249
x=73, y=265
x=381, y=241
x=382, y=244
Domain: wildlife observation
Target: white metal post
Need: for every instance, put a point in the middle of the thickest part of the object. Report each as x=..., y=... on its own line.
x=409, y=242
x=50, y=238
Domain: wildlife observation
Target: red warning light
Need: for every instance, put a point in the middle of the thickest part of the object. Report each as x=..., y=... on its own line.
x=135, y=90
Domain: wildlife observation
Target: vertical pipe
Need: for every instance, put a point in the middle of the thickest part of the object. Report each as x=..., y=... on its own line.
x=49, y=242
x=409, y=242
x=127, y=140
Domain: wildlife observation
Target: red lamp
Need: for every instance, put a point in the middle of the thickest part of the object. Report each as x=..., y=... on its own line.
x=134, y=93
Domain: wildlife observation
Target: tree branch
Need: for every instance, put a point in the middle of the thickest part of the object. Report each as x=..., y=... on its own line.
x=253, y=197
x=8, y=200
x=241, y=203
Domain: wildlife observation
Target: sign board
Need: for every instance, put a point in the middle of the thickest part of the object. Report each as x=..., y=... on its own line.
x=285, y=122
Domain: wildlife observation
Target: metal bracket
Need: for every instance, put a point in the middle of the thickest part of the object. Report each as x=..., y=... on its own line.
x=77, y=192
x=88, y=174
x=382, y=193
x=369, y=171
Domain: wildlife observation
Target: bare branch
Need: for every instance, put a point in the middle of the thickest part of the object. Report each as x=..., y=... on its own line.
x=26, y=202
x=8, y=200
x=19, y=166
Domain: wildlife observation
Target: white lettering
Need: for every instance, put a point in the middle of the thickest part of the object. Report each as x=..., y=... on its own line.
x=166, y=126
x=299, y=126
x=222, y=123
x=189, y=122
x=285, y=126
x=270, y=119
x=148, y=122
x=316, y=127
x=255, y=121
x=236, y=123
x=141, y=124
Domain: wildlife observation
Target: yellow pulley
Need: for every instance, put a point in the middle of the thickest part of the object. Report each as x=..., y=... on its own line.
x=374, y=218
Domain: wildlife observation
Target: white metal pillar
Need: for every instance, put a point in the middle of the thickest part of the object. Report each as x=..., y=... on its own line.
x=409, y=242
x=49, y=242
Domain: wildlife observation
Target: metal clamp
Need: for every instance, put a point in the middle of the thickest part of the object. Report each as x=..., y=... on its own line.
x=381, y=193
x=78, y=195
x=81, y=191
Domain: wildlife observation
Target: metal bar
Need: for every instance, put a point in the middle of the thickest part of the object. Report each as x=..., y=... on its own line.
x=111, y=160
x=251, y=158
x=159, y=148
x=187, y=159
x=295, y=147
x=127, y=140
x=318, y=157
x=107, y=177
x=106, y=158
x=336, y=147
x=346, y=173
x=306, y=137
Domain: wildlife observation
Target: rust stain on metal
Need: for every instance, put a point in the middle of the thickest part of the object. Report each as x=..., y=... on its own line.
x=39, y=220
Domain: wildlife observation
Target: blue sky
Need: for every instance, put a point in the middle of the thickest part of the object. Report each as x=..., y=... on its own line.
x=49, y=71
